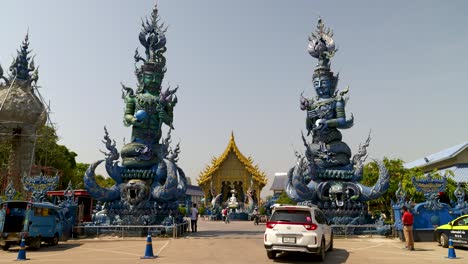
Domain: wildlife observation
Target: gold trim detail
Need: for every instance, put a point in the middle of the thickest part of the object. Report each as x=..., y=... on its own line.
x=258, y=176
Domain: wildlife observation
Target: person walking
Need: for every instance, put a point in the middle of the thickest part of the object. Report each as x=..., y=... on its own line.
x=223, y=214
x=194, y=217
x=407, y=220
x=255, y=216
x=226, y=215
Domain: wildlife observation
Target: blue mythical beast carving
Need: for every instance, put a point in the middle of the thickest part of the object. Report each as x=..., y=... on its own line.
x=327, y=175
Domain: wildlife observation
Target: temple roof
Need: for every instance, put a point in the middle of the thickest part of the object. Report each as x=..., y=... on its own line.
x=279, y=182
x=437, y=157
x=257, y=175
x=460, y=172
x=194, y=191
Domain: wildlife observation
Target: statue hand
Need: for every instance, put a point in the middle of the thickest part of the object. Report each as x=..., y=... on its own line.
x=135, y=122
x=130, y=120
x=164, y=117
x=320, y=124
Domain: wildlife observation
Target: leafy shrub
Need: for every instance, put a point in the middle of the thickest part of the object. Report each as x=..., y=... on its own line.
x=182, y=210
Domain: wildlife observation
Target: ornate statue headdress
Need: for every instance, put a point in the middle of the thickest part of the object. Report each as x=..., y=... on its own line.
x=153, y=39
x=322, y=47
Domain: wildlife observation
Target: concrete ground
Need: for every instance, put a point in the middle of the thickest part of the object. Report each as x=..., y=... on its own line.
x=237, y=242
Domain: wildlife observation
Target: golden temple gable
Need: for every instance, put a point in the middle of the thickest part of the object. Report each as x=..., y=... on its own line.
x=232, y=171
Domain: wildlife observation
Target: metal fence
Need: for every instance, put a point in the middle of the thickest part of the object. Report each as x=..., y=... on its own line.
x=363, y=230
x=120, y=231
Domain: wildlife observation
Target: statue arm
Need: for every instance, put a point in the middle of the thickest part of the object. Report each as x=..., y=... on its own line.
x=166, y=115
x=340, y=119
x=129, y=118
x=311, y=117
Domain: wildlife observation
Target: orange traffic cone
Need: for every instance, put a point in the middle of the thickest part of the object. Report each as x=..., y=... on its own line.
x=149, y=248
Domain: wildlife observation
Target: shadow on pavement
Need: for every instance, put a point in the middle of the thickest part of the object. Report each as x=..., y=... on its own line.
x=423, y=249
x=338, y=255
x=219, y=233
x=462, y=248
x=47, y=248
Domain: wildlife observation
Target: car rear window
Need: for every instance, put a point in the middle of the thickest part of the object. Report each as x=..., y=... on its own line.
x=294, y=216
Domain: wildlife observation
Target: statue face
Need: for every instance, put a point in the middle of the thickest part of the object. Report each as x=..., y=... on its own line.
x=152, y=81
x=322, y=85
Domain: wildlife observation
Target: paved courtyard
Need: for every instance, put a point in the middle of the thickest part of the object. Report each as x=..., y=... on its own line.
x=237, y=242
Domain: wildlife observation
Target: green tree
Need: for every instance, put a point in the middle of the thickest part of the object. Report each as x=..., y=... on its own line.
x=284, y=199
x=201, y=210
x=104, y=182
x=182, y=210
x=78, y=174
x=262, y=210
x=5, y=149
x=398, y=174
x=49, y=153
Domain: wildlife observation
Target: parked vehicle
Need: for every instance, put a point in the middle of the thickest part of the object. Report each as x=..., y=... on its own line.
x=457, y=230
x=298, y=229
x=37, y=222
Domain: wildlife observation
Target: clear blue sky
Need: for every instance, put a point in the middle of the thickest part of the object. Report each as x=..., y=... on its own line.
x=241, y=65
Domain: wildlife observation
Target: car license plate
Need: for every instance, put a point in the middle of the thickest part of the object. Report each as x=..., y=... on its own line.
x=290, y=240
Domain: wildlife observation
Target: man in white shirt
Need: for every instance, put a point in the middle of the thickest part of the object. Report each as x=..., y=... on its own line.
x=194, y=217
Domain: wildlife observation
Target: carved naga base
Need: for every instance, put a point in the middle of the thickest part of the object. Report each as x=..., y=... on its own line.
x=335, y=191
x=150, y=214
x=141, y=195
x=351, y=212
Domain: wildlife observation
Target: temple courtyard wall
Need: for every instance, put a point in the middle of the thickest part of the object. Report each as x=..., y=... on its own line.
x=237, y=242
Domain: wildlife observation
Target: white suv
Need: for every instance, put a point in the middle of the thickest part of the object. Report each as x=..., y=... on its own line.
x=298, y=229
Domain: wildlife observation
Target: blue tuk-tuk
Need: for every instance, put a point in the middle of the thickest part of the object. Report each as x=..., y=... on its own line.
x=36, y=222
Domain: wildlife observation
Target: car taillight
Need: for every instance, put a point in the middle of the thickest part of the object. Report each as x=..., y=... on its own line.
x=310, y=226
x=270, y=225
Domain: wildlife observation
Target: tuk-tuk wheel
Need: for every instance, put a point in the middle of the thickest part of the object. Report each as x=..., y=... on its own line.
x=55, y=240
x=6, y=247
x=36, y=243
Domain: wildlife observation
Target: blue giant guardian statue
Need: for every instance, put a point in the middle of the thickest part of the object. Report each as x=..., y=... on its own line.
x=328, y=175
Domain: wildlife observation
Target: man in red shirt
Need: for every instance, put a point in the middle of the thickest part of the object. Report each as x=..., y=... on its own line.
x=407, y=220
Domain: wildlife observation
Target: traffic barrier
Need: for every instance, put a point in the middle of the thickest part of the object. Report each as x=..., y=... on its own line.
x=451, y=250
x=149, y=248
x=22, y=251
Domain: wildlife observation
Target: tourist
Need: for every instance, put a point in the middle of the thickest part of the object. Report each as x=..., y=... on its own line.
x=255, y=216
x=194, y=218
x=407, y=220
x=226, y=215
x=223, y=214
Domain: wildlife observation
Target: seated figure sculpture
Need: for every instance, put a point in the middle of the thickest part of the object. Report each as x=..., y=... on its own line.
x=146, y=111
x=326, y=112
x=327, y=175
x=148, y=181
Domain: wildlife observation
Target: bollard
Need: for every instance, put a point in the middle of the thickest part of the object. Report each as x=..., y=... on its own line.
x=149, y=248
x=451, y=250
x=22, y=251
x=173, y=228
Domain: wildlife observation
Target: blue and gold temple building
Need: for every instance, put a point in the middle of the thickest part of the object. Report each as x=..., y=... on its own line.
x=232, y=171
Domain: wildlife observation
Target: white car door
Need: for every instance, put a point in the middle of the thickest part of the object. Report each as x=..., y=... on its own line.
x=323, y=225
